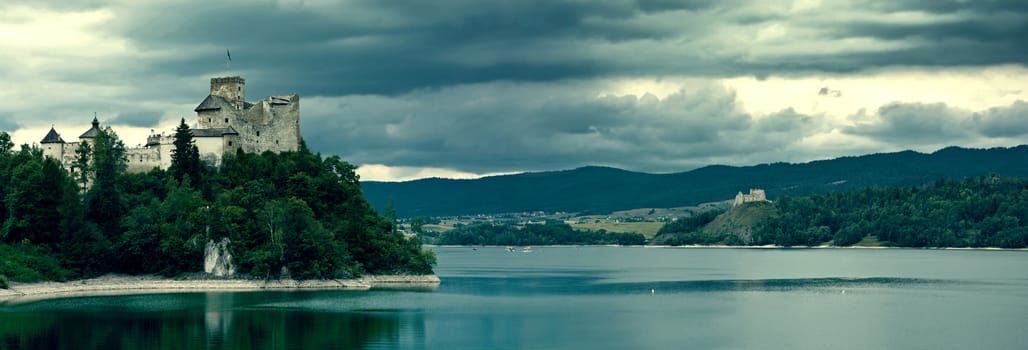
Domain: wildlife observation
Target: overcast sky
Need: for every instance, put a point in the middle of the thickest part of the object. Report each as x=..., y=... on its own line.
x=459, y=88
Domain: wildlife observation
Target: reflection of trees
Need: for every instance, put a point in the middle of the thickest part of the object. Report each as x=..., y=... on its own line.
x=281, y=329
x=215, y=321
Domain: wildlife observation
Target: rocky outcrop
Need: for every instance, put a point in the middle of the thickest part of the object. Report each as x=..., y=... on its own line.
x=217, y=259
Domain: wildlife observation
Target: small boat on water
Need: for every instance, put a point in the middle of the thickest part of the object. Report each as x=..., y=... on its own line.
x=510, y=249
x=526, y=250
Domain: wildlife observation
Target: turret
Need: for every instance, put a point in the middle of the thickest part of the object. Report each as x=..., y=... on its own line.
x=92, y=132
x=219, y=109
x=53, y=145
x=232, y=89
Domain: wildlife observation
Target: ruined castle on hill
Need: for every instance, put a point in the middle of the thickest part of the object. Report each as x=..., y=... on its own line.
x=225, y=123
x=756, y=195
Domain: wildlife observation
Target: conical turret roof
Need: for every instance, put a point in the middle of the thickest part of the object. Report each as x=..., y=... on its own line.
x=52, y=137
x=92, y=132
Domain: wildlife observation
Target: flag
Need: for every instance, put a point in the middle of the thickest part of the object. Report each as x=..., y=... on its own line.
x=229, y=54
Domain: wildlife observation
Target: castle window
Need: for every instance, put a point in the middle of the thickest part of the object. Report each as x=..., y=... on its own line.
x=230, y=143
x=226, y=120
x=276, y=142
x=258, y=133
x=209, y=120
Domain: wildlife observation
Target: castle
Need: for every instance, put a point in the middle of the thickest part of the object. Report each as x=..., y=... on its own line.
x=756, y=195
x=225, y=123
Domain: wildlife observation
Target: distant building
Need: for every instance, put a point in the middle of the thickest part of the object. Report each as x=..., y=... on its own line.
x=226, y=123
x=756, y=195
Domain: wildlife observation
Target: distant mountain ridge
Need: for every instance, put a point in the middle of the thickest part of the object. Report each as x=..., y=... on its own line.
x=602, y=189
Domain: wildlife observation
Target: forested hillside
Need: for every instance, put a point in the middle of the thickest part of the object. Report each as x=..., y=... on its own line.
x=550, y=233
x=295, y=210
x=603, y=190
x=987, y=211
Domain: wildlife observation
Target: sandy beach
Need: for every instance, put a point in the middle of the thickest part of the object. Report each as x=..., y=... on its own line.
x=150, y=284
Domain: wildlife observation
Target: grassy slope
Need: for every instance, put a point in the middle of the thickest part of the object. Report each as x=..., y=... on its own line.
x=740, y=221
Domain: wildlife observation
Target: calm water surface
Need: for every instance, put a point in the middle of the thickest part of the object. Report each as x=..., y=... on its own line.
x=587, y=298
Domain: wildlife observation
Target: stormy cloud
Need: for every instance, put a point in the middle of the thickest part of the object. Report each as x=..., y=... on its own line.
x=939, y=124
x=492, y=127
x=499, y=86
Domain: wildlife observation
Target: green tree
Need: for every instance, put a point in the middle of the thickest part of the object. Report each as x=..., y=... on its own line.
x=182, y=229
x=305, y=246
x=138, y=247
x=185, y=158
x=390, y=213
x=23, y=203
x=5, y=142
x=83, y=165
x=104, y=205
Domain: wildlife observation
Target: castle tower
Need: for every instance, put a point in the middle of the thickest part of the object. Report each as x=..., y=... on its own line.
x=219, y=109
x=92, y=132
x=53, y=145
x=232, y=89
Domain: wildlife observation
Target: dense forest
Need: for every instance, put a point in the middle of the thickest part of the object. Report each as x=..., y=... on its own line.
x=292, y=210
x=986, y=211
x=604, y=190
x=550, y=233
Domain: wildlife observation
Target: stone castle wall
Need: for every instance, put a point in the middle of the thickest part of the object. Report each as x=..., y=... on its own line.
x=144, y=159
x=755, y=195
x=271, y=124
x=232, y=89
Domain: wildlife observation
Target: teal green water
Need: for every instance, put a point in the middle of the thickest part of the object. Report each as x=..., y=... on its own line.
x=586, y=298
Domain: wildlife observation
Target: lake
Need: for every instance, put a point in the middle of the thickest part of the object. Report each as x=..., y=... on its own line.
x=586, y=298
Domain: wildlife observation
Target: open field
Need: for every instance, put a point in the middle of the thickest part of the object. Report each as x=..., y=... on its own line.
x=675, y=212
x=648, y=229
x=645, y=221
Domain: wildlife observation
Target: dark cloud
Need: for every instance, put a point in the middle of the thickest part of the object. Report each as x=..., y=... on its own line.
x=1003, y=121
x=363, y=47
x=512, y=85
x=825, y=91
x=139, y=118
x=987, y=7
x=504, y=127
x=918, y=124
x=7, y=123
x=914, y=123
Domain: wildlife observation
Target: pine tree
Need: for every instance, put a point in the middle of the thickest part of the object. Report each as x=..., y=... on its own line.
x=185, y=158
x=104, y=204
x=83, y=154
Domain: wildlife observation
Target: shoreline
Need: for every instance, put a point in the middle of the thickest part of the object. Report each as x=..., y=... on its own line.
x=151, y=284
x=699, y=246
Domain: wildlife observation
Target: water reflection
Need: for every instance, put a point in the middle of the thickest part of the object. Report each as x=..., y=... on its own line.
x=585, y=298
x=217, y=321
x=206, y=320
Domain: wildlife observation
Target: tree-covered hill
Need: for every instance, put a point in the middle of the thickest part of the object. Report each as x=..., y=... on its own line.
x=988, y=211
x=603, y=190
x=292, y=211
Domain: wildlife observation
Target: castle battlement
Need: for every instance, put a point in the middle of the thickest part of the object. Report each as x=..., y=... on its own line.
x=755, y=195
x=226, y=123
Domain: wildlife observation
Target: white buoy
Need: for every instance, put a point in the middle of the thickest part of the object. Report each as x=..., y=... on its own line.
x=653, y=291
